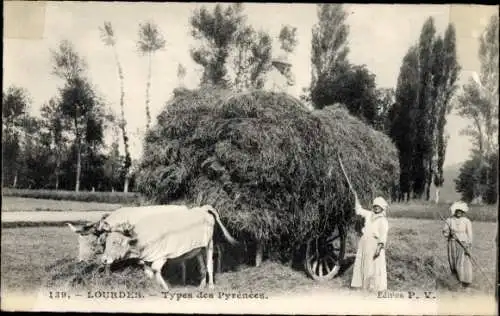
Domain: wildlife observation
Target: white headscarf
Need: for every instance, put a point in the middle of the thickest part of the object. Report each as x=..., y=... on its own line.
x=380, y=201
x=459, y=205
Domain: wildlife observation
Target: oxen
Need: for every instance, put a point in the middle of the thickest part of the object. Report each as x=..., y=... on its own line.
x=172, y=235
x=92, y=236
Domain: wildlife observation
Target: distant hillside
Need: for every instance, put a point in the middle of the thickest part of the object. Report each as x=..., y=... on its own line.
x=447, y=192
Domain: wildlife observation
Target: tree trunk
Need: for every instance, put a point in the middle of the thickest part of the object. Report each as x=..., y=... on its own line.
x=58, y=168
x=15, y=180
x=125, y=186
x=78, y=167
x=436, y=197
x=258, y=254
x=148, y=86
x=123, y=122
x=427, y=191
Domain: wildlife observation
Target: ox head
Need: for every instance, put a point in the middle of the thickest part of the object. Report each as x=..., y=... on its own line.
x=90, y=239
x=120, y=244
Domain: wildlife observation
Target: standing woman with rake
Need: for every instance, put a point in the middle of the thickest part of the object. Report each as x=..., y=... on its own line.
x=458, y=230
x=370, y=271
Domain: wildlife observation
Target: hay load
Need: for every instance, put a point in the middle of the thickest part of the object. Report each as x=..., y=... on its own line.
x=268, y=164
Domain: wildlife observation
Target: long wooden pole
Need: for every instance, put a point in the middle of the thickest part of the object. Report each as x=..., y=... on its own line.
x=345, y=175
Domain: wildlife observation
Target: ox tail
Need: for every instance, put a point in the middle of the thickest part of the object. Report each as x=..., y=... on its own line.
x=226, y=233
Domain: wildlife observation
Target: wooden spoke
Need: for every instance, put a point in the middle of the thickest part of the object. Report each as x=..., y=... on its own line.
x=324, y=255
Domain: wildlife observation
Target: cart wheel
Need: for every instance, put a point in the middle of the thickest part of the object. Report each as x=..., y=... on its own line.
x=324, y=255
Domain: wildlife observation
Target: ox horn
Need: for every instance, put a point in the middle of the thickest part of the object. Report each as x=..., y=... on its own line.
x=73, y=228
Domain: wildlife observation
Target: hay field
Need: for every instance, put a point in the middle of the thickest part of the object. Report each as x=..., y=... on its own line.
x=416, y=259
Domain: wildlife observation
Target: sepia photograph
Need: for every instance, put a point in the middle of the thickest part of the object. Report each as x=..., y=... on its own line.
x=250, y=158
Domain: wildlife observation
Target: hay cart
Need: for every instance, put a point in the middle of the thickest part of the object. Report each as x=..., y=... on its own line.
x=324, y=254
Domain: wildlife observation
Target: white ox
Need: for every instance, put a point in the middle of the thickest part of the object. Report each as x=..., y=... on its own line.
x=92, y=237
x=171, y=235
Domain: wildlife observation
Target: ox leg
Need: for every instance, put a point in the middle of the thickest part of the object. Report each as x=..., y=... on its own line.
x=218, y=248
x=149, y=272
x=210, y=264
x=203, y=270
x=156, y=267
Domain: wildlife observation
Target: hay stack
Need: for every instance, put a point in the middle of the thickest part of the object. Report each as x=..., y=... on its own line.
x=263, y=160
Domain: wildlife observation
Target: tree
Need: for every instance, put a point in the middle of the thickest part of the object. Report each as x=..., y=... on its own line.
x=233, y=54
x=288, y=38
x=478, y=101
x=474, y=171
x=385, y=98
x=288, y=41
x=425, y=118
x=78, y=103
x=241, y=61
x=216, y=32
x=351, y=85
x=329, y=40
x=109, y=39
x=69, y=66
x=66, y=63
x=56, y=125
x=445, y=76
x=112, y=168
x=260, y=59
x=150, y=40
x=36, y=163
x=402, y=118
x=15, y=104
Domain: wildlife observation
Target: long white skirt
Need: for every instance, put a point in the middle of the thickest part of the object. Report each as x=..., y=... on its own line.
x=368, y=273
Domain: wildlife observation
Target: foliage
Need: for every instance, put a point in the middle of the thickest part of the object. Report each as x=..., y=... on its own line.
x=233, y=151
x=478, y=103
x=479, y=177
x=150, y=40
x=351, y=85
x=329, y=40
x=444, y=88
x=479, y=100
x=15, y=106
x=232, y=53
x=83, y=196
x=385, y=98
x=66, y=62
x=217, y=31
x=288, y=38
x=426, y=84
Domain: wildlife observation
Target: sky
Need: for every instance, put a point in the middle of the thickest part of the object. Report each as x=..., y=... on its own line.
x=379, y=38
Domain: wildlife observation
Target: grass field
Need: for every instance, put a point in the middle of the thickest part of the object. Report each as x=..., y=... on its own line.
x=430, y=210
x=33, y=251
x=83, y=196
x=416, y=259
x=12, y=204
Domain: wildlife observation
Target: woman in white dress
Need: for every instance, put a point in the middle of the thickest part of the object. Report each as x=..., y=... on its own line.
x=458, y=231
x=370, y=272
